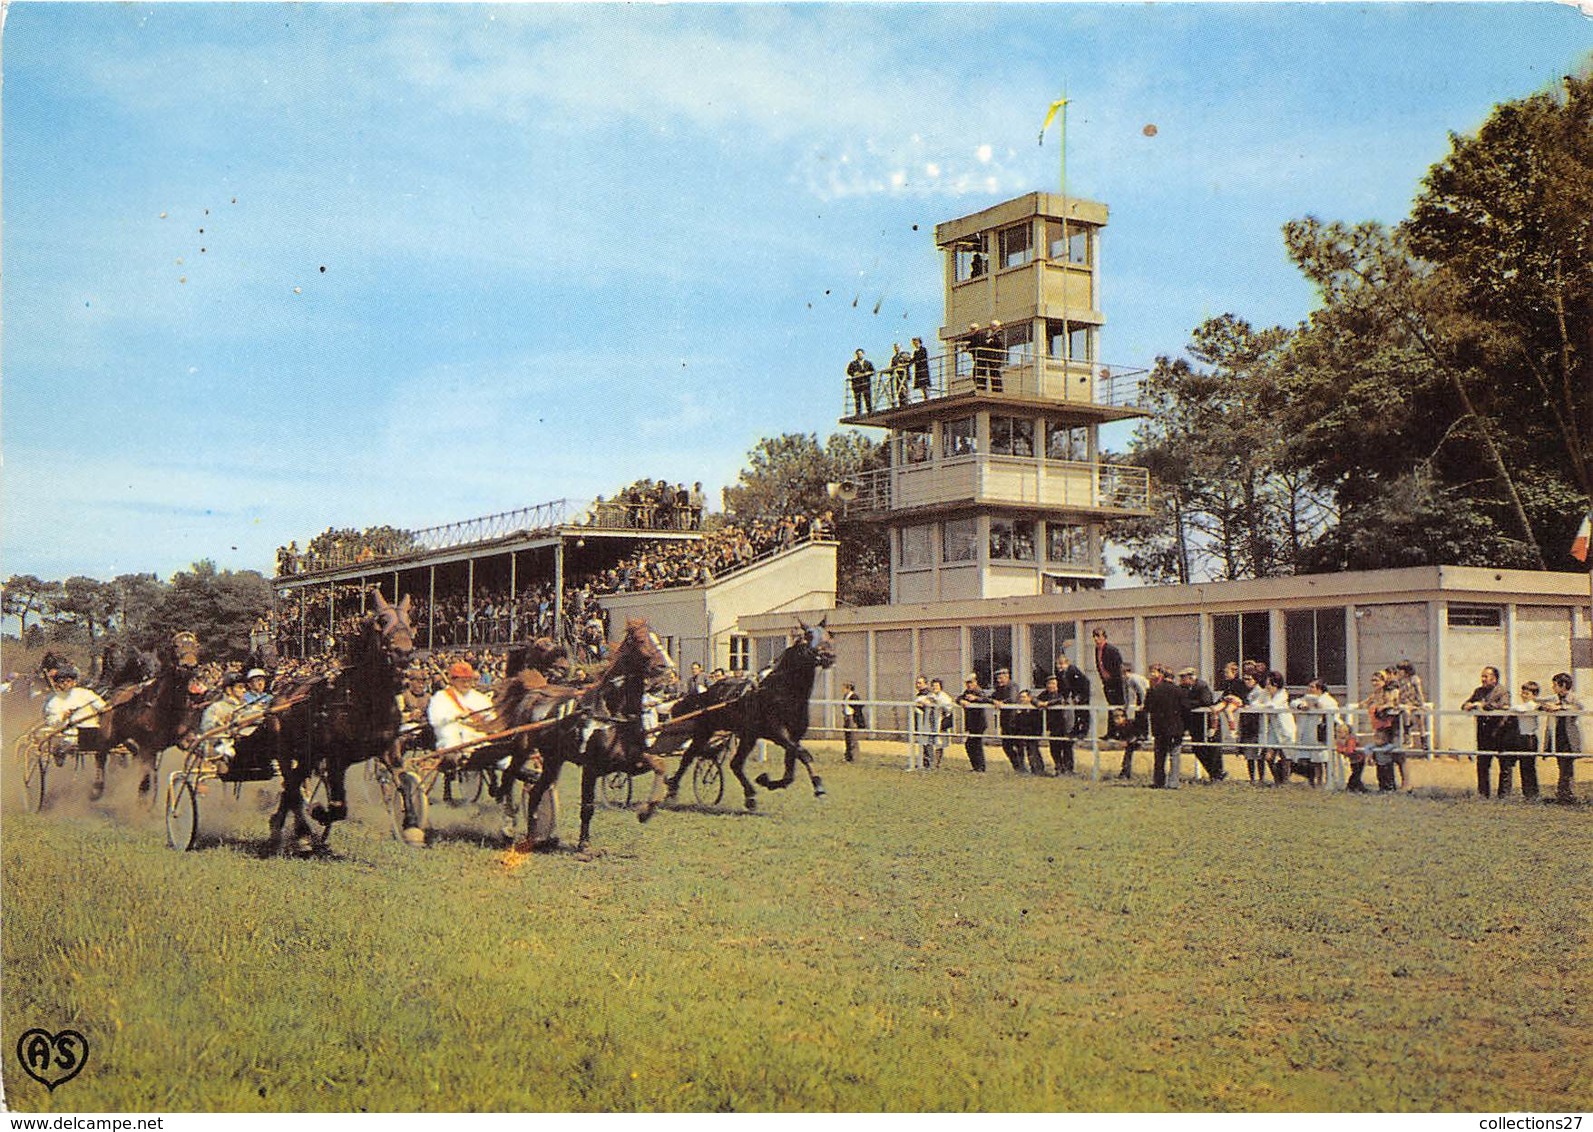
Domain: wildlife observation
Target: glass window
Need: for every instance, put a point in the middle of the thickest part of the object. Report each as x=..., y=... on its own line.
x=918, y=546
x=1017, y=343
x=968, y=259
x=1023, y=540
x=1314, y=640
x=1066, y=442
x=991, y=648
x=958, y=541
x=1081, y=343
x=1012, y=436
x=1017, y=245
x=740, y=652
x=1239, y=637
x=1046, y=643
x=1012, y=540
x=912, y=446
x=1067, y=543
x=1074, y=249
x=958, y=438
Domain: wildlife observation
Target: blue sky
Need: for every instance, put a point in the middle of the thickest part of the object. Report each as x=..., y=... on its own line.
x=274, y=268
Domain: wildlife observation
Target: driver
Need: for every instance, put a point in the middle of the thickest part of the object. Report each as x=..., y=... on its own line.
x=255, y=692
x=412, y=704
x=459, y=712
x=222, y=715
x=75, y=712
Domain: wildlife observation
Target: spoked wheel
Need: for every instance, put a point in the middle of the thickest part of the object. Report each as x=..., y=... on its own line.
x=708, y=781
x=379, y=781
x=35, y=774
x=182, y=813
x=407, y=782
x=615, y=790
x=545, y=822
x=463, y=787
x=371, y=781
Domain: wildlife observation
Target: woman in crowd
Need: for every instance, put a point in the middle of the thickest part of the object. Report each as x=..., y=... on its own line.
x=1279, y=732
x=1387, y=718
x=1317, y=729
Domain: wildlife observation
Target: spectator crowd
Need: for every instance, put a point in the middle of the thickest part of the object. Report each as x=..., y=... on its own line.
x=1249, y=714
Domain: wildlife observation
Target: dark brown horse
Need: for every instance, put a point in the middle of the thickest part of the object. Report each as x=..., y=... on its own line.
x=325, y=724
x=772, y=706
x=598, y=728
x=150, y=709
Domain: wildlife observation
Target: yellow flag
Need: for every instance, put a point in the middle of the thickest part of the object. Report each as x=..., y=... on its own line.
x=1049, y=115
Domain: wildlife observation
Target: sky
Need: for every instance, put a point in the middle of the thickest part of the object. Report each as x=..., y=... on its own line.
x=273, y=268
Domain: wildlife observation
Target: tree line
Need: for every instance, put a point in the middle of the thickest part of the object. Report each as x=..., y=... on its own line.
x=220, y=606
x=1435, y=407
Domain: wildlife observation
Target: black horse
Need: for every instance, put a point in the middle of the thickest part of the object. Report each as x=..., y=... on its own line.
x=150, y=707
x=325, y=724
x=772, y=706
x=598, y=728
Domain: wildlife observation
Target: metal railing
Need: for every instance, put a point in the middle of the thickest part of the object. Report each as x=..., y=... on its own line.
x=1020, y=375
x=906, y=721
x=525, y=520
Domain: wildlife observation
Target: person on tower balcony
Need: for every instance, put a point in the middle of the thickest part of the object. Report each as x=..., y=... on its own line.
x=861, y=373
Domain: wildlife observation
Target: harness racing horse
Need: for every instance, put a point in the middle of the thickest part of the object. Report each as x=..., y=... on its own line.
x=773, y=706
x=150, y=709
x=598, y=728
x=326, y=724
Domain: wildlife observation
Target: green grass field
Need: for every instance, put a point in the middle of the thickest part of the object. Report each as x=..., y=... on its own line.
x=910, y=942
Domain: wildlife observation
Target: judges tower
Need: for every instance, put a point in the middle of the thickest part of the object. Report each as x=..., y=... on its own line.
x=995, y=486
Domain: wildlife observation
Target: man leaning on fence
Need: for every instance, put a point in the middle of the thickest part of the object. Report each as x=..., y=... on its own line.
x=1488, y=697
x=975, y=706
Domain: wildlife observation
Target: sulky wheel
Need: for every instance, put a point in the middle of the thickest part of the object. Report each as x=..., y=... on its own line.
x=182, y=813
x=545, y=823
x=371, y=784
x=708, y=781
x=614, y=790
x=35, y=760
x=462, y=787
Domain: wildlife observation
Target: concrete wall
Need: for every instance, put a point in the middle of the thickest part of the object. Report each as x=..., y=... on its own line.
x=702, y=619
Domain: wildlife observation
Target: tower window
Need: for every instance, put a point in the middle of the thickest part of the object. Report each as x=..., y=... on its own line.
x=1017, y=245
x=1067, y=543
x=1012, y=540
x=957, y=541
x=1012, y=436
x=1066, y=442
x=912, y=446
x=968, y=259
x=1074, y=248
x=957, y=438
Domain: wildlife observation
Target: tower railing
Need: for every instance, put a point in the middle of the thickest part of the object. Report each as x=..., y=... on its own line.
x=1017, y=373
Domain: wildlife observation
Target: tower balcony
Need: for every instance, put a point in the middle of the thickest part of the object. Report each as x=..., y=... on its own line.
x=985, y=481
x=893, y=397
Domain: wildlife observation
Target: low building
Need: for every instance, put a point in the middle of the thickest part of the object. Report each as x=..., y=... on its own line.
x=1449, y=621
